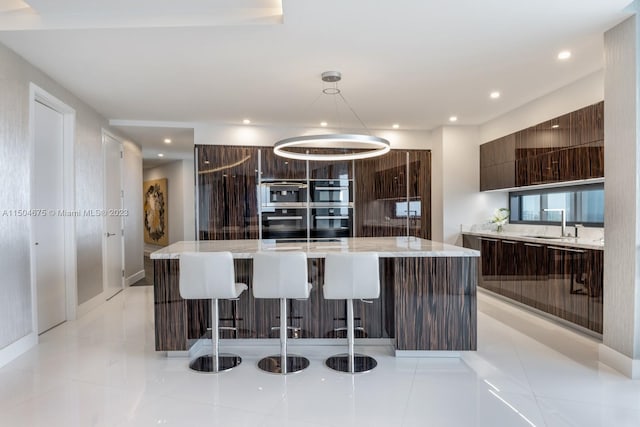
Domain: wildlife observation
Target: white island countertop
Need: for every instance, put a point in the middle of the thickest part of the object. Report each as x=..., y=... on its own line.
x=385, y=247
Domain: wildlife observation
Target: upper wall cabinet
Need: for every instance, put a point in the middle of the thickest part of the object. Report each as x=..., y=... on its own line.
x=566, y=148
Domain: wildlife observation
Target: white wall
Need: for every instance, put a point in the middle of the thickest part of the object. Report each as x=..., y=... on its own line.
x=133, y=235
x=583, y=92
x=622, y=165
x=179, y=174
x=212, y=134
x=15, y=146
x=461, y=200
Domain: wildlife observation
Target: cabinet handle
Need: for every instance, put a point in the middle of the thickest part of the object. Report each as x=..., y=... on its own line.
x=332, y=217
x=533, y=245
x=509, y=242
x=283, y=218
x=487, y=240
x=567, y=249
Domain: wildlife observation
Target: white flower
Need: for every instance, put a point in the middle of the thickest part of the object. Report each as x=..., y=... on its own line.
x=500, y=216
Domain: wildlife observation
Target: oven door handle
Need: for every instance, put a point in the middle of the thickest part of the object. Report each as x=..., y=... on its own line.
x=331, y=188
x=284, y=218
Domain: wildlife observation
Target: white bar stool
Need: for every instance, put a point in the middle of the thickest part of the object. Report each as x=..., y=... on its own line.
x=281, y=276
x=351, y=276
x=210, y=275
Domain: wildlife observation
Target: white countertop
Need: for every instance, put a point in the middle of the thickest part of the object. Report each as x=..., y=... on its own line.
x=584, y=243
x=386, y=247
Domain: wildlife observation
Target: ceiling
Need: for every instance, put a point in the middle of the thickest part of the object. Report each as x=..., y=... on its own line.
x=411, y=62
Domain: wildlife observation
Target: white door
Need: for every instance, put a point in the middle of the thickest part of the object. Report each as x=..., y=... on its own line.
x=48, y=230
x=113, y=263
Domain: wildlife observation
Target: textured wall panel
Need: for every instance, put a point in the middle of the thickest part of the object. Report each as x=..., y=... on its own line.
x=15, y=293
x=621, y=281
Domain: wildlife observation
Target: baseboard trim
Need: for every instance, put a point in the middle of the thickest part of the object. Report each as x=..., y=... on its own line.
x=134, y=278
x=428, y=353
x=620, y=362
x=17, y=348
x=87, y=306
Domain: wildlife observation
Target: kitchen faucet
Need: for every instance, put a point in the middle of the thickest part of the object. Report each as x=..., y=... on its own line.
x=563, y=220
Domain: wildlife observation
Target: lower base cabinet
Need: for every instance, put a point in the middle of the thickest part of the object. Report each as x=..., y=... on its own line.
x=563, y=281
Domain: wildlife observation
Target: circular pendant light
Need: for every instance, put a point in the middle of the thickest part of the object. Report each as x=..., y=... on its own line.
x=366, y=145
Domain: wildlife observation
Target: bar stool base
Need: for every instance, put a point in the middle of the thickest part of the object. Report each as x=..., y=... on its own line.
x=273, y=364
x=205, y=363
x=361, y=363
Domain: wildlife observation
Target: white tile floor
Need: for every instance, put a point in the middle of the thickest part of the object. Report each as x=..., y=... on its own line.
x=102, y=371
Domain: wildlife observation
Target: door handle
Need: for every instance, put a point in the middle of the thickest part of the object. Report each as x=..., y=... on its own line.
x=110, y=234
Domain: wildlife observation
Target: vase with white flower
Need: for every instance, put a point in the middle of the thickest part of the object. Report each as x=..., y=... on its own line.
x=500, y=218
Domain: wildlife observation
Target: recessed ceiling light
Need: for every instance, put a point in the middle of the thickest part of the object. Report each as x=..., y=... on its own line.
x=324, y=124
x=565, y=54
x=555, y=126
x=167, y=141
x=453, y=118
x=395, y=126
x=160, y=155
x=494, y=95
x=246, y=122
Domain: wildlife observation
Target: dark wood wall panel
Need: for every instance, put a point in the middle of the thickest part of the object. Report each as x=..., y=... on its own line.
x=435, y=303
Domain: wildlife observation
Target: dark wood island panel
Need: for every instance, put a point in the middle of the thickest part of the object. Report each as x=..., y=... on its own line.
x=425, y=304
x=435, y=303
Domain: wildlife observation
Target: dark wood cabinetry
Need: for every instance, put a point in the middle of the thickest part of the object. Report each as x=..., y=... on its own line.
x=392, y=192
x=510, y=260
x=534, y=276
x=567, y=148
x=567, y=294
x=227, y=179
x=497, y=163
x=565, y=282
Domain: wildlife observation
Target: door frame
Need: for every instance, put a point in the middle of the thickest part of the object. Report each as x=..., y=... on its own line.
x=37, y=94
x=105, y=134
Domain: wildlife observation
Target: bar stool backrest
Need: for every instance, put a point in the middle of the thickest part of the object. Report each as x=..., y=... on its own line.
x=351, y=276
x=280, y=275
x=207, y=275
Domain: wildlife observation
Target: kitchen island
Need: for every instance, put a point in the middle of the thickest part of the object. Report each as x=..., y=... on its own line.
x=427, y=297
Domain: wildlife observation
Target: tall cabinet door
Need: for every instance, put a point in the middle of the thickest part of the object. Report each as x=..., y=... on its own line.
x=594, y=280
x=393, y=195
x=509, y=266
x=568, y=293
x=227, y=182
x=381, y=195
x=534, y=276
x=420, y=194
x=489, y=277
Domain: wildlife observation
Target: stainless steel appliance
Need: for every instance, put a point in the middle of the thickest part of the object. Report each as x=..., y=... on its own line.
x=284, y=193
x=331, y=222
x=334, y=192
x=284, y=223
